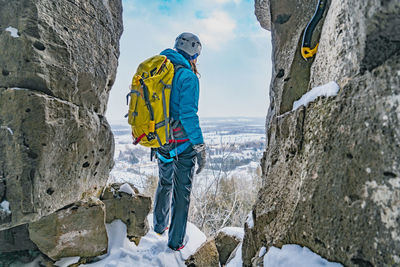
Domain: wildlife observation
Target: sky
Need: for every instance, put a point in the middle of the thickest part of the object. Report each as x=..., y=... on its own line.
x=235, y=62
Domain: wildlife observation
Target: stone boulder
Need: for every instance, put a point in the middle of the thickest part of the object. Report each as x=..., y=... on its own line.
x=226, y=241
x=16, y=239
x=205, y=256
x=124, y=202
x=331, y=169
x=76, y=230
x=58, y=61
x=55, y=154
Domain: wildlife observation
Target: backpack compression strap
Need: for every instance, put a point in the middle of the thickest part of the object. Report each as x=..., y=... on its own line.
x=152, y=125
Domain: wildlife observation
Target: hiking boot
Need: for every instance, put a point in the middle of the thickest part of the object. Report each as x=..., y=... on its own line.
x=181, y=247
x=162, y=232
x=185, y=240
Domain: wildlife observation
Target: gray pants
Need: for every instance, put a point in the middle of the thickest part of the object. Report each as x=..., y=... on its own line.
x=175, y=181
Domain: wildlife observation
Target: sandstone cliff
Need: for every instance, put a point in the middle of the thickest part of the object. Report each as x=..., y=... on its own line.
x=58, y=61
x=332, y=169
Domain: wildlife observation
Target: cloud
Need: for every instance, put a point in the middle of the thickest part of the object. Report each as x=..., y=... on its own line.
x=216, y=30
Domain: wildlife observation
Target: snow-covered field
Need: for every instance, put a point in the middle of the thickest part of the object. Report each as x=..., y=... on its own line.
x=235, y=145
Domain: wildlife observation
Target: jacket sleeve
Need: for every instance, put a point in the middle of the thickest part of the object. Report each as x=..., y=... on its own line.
x=188, y=107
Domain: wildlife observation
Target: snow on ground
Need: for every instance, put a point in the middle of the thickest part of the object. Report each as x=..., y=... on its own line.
x=12, y=31
x=329, y=89
x=152, y=249
x=295, y=255
x=288, y=256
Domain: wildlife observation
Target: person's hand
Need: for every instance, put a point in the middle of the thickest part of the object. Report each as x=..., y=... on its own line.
x=200, y=156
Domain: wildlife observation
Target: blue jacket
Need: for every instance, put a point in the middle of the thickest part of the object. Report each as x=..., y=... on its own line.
x=184, y=99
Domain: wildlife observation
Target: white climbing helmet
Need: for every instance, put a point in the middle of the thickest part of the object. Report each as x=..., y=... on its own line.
x=189, y=44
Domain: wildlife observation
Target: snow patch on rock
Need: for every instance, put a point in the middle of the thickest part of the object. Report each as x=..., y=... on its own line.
x=5, y=206
x=262, y=252
x=13, y=31
x=329, y=89
x=249, y=220
x=8, y=129
x=237, y=232
x=126, y=188
x=65, y=262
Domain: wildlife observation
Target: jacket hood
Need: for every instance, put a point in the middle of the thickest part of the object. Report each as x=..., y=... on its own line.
x=176, y=58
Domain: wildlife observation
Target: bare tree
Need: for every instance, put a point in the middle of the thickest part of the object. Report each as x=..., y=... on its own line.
x=219, y=198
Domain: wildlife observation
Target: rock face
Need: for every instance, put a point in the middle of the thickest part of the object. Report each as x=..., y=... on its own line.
x=263, y=13
x=78, y=230
x=332, y=168
x=58, y=62
x=205, y=256
x=131, y=209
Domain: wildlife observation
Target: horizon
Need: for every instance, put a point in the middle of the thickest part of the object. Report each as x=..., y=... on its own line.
x=125, y=121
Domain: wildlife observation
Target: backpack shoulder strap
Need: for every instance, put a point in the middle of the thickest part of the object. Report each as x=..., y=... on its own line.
x=178, y=67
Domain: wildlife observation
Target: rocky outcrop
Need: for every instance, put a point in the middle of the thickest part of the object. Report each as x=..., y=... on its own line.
x=123, y=202
x=263, y=13
x=76, y=230
x=226, y=243
x=205, y=256
x=332, y=169
x=58, y=62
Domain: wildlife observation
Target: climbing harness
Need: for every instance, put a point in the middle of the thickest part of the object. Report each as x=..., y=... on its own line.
x=306, y=50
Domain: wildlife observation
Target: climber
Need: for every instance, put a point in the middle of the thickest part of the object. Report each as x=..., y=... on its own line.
x=176, y=160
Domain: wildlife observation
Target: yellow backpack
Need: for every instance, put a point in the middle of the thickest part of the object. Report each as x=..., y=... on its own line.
x=149, y=102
